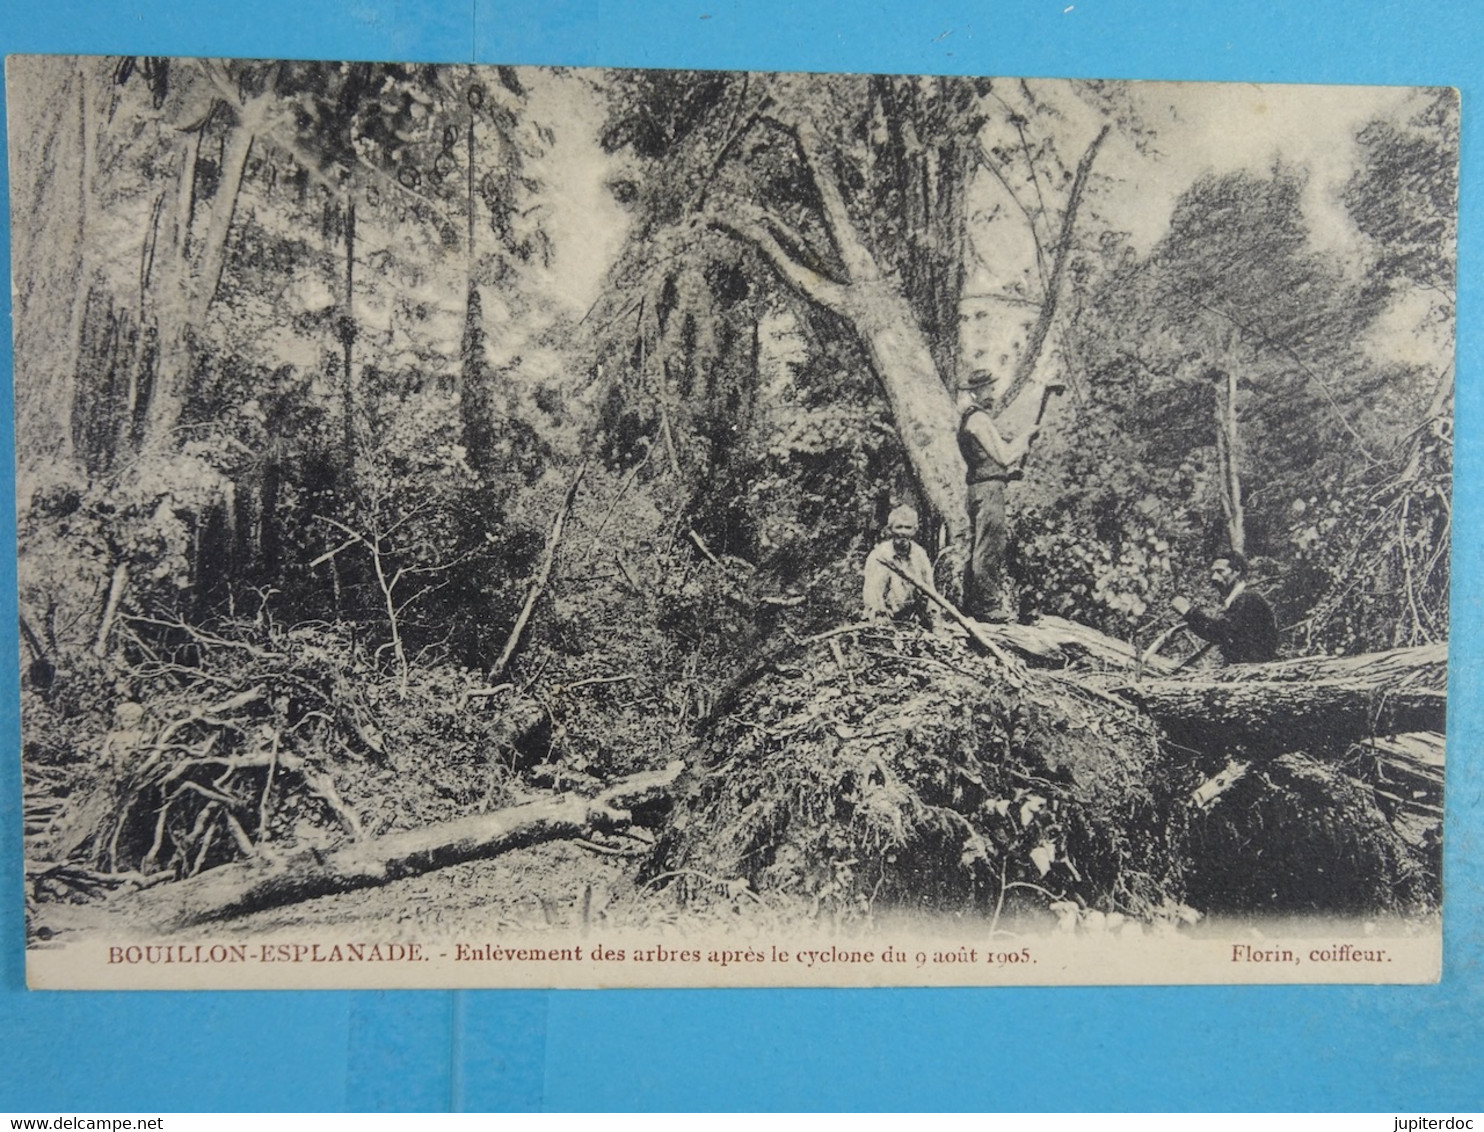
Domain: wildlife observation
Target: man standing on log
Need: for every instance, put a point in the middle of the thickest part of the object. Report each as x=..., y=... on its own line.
x=1245, y=629
x=885, y=593
x=992, y=462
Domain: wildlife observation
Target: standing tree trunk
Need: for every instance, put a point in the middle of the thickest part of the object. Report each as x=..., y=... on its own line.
x=1225, y=388
x=193, y=270
x=891, y=315
x=185, y=296
x=53, y=167
x=346, y=328
x=887, y=329
x=117, y=584
x=920, y=404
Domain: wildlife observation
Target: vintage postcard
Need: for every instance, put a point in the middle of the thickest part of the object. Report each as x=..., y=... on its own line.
x=504, y=526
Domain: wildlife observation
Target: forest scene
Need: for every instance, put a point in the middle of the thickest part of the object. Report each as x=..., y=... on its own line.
x=444, y=494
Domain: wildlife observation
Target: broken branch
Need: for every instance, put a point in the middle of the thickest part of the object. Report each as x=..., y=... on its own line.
x=542, y=576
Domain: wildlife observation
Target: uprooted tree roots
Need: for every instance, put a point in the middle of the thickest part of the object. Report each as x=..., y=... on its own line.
x=867, y=769
x=256, y=741
x=1301, y=836
x=886, y=767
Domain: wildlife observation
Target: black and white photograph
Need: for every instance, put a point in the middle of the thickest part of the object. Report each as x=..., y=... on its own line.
x=514, y=526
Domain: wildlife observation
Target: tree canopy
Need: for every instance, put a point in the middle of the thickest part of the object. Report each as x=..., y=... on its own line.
x=311, y=403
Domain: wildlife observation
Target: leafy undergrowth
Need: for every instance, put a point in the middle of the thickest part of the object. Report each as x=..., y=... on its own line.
x=888, y=768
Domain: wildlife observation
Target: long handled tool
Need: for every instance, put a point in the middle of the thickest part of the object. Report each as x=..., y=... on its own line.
x=1159, y=642
x=969, y=626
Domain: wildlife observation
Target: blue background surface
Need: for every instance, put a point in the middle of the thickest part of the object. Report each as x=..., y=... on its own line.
x=1200, y=1048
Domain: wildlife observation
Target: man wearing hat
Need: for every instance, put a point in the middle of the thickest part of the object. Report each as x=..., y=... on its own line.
x=885, y=593
x=992, y=462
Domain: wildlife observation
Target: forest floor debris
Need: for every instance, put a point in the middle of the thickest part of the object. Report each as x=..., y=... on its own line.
x=870, y=771
x=890, y=767
x=887, y=767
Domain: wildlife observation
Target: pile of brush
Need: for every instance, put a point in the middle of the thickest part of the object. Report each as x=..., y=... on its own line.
x=881, y=767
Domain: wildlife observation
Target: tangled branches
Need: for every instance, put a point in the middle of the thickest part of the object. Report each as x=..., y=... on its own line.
x=888, y=768
x=223, y=740
x=1384, y=553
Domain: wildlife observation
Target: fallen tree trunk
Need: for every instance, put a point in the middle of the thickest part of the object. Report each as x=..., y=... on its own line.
x=251, y=886
x=1320, y=705
x=1206, y=795
x=1407, y=769
x=977, y=630
x=1029, y=641
x=1259, y=718
x=1423, y=666
x=1080, y=641
x=1418, y=755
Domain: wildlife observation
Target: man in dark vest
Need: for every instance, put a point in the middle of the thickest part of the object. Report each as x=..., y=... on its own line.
x=992, y=462
x=1244, y=629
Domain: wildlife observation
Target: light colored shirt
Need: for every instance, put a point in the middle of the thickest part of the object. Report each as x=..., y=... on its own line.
x=887, y=595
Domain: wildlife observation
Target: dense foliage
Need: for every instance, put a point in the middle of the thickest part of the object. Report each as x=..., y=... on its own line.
x=302, y=419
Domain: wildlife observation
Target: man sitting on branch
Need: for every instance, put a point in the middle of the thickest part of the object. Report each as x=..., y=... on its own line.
x=1244, y=629
x=886, y=594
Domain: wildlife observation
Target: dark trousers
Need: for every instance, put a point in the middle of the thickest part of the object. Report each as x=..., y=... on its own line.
x=985, y=593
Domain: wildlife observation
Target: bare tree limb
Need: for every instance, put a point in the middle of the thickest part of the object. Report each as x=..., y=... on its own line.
x=263, y=882
x=542, y=576
x=810, y=283
x=975, y=631
x=860, y=264
x=986, y=160
x=1026, y=367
